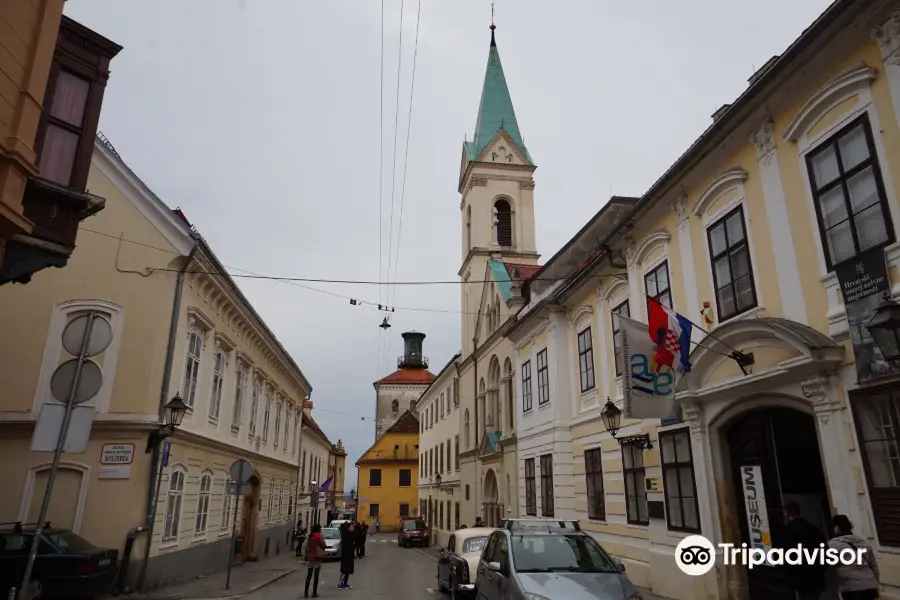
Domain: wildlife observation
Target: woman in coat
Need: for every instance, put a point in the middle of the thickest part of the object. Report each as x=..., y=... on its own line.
x=315, y=551
x=859, y=581
x=348, y=549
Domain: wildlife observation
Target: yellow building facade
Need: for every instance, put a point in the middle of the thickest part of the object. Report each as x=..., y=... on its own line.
x=142, y=268
x=742, y=236
x=388, y=475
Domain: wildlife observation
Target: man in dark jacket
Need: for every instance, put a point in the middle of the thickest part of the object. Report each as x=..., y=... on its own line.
x=807, y=580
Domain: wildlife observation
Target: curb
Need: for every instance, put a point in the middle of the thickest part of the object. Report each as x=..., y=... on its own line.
x=270, y=581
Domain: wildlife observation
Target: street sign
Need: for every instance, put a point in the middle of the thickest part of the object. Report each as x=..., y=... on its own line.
x=237, y=489
x=166, y=447
x=241, y=470
x=117, y=454
x=64, y=385
x=74, y=333
x=49, y=425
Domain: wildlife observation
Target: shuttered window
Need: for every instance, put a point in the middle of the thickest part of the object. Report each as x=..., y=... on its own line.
x=877, y=416
x=503, y=216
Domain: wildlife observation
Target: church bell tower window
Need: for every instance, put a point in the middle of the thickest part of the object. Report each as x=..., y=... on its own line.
x=503, y=223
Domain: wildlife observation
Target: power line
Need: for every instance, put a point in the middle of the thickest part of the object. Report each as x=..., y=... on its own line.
x=412, y=89
x=380, y=187
x=394, y=156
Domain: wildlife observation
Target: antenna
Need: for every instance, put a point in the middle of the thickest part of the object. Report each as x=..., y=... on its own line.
x=492, y=12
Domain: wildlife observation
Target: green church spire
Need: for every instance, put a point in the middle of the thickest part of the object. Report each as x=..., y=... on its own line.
x=496, y=109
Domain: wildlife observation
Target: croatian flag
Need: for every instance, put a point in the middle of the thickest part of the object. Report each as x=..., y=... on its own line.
x=671, y=333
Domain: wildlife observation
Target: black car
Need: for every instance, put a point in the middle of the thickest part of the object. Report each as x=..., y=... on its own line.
x=66, y=564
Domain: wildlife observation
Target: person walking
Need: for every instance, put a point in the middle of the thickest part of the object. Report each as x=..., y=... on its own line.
x=807, y=580
x=358, y=539
x=347, y=551
x=315, y=552
x=859, y=581
x=376, y=523
x=363, y=537
x=300, y=537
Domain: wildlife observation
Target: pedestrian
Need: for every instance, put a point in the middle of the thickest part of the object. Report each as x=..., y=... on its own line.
x=479, y=522
x=363, y=537
x=463, y=526
x=347, y=551
x=376, y=523
x=859, y=581
x=808, y=581
x=359, y=538
x=315, y=552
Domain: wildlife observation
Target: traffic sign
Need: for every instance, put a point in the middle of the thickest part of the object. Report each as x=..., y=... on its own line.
x=166, y=448
x=237, y=489
x=74, y=333
x=63, y=382
x=241, y=470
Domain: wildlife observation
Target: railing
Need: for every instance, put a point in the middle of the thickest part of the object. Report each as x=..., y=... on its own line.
x=412, y=361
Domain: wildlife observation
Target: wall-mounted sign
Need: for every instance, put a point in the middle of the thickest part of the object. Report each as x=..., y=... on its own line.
x=117, y=454
x=114, y=472
x=863, y=281
x=755, y=504
x=653, y=484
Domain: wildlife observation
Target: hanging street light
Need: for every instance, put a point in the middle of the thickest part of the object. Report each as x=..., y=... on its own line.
x=884, y=327
x=173, y=413
x=611, y=416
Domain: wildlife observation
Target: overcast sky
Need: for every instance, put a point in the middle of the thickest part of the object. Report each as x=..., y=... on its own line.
x=260, y=119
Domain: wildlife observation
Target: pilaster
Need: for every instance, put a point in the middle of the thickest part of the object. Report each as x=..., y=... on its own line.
x=887, y=35
x=634, y=288
x=704, y=475
x=688, y=270
x=603, y=321
x=787, y=271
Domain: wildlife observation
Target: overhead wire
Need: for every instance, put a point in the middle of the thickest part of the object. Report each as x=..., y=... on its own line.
x=380, y=188
x=412, y=88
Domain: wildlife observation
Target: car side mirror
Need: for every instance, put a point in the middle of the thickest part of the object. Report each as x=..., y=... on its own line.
x=494, y=566
x=619, y=564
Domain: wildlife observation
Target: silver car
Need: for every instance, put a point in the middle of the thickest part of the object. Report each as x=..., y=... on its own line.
x=549, y=560
x=332, y=542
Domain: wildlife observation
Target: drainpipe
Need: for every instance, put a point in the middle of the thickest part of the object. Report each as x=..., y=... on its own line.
x=155, y=466
x=475, y=390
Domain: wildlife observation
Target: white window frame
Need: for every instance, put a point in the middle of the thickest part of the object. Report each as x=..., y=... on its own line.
x=267, y=414
x=227, y=506
x=277, y=424
x=54, y=354
x=613, y=295
x=204, y=495
x=731, y=180
x=581, y=319
x=270, y=504
x=174, y=504
x=218, y=382
x=853, y=83
x=240, y=387
x=199, y=324
x=256, y=390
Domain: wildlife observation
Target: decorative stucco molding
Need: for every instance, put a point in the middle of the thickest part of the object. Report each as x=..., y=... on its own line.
x=729, y=179
x=888, y=37
x=837, y=89
x=526, y=185
x=630, y=251
x=764, y=140
x=681, y=212
x=818, y=390
x=651, y=243
x=580, y=313
x=477, y=182
x=612, y=288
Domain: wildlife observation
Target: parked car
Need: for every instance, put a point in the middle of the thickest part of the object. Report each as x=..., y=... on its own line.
x=332, y=537
x=413, y=532
x=66, y=564
x=536, y=558
x=336, y=524
x=458, y=561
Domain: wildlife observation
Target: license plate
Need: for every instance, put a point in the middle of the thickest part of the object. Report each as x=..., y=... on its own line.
x=103, y=562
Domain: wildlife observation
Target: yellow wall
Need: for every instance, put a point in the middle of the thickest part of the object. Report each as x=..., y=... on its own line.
x=389, y=495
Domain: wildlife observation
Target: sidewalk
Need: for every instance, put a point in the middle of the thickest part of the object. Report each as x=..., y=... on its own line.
x=245, y=579
x=432, y=551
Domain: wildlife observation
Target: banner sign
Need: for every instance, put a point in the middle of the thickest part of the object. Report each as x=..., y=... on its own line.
x=863, y=282
x=755, y=504
x=649, y=389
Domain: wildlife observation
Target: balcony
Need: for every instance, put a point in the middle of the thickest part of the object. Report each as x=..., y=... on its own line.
x=414, y=361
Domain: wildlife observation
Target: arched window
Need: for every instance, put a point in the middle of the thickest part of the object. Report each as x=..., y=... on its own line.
x=469, y=227
x=503, y=222
x=395, y=407
x=192, y=367
x=466, y=421
x=215, y=398
x=173, y=503
x=254, y=407
x=412, y=405
x=240, y=383
x=227, y=506
x=277, y=424
x=202, y=516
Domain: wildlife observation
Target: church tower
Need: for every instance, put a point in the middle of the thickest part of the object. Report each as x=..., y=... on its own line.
x=497, y=187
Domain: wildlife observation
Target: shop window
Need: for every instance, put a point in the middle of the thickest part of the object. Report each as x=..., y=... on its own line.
x=635, y=496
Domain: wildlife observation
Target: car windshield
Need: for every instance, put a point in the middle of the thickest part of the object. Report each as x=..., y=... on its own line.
x=473, y=544
x=331, y=534
x=413, y=525
x=67, y=541
x=559, y=553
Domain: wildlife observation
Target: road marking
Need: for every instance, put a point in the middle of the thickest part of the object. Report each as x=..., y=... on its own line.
x=432, y=590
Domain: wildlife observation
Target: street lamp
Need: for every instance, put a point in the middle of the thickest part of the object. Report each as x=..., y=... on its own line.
x=173, y=412
x=884, y=327
x=437, y=481
x=612, y=420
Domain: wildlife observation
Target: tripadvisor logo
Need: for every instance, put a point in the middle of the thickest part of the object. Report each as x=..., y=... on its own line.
x=695, y=555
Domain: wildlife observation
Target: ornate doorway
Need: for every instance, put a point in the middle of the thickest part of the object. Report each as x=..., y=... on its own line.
x=490, y=507
x=784, y=444
x=250, y=520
